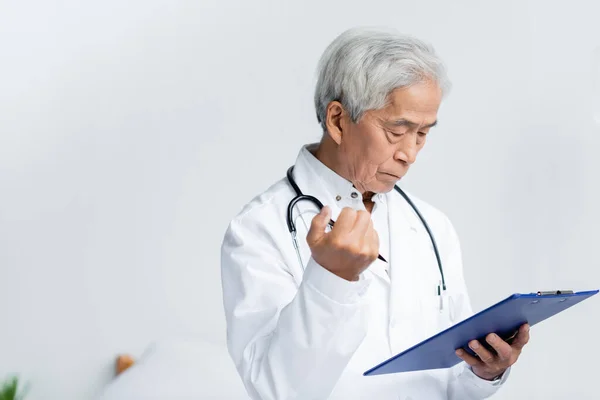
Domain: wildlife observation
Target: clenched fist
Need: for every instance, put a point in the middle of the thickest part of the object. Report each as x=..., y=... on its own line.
x=351, y=245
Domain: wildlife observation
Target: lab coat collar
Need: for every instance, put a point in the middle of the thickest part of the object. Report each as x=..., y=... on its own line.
x=339, y=188
x=399, y=206
x=337, y=185
x=315, y=179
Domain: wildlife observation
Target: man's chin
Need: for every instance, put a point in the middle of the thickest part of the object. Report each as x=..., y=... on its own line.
x=385, y=187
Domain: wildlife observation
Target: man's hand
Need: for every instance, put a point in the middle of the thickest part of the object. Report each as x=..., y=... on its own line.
x=489, y=366
x=351, y=245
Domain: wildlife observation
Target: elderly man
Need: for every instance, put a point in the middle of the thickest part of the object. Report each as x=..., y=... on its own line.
x=306, y=317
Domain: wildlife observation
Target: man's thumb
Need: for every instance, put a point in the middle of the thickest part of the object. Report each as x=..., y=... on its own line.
x=318, y=225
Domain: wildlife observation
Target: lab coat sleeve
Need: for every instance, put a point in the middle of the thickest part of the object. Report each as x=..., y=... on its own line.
x=288, y=341
x=463, y=383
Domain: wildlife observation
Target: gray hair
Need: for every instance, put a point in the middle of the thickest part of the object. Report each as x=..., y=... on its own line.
x=362, y=66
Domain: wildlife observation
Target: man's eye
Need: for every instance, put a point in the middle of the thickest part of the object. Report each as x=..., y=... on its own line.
x=396, y=134
x=422, y=133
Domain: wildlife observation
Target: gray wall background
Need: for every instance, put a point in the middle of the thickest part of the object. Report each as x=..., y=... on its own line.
x=131, y=132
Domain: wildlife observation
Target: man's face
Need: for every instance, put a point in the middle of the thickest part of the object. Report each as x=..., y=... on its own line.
x=378, y=150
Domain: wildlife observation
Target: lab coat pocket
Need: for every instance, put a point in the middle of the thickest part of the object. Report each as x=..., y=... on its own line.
x=438, y=310
x=435, y=308
x=445, y=310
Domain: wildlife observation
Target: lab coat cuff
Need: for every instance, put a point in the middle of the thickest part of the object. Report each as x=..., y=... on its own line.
x=330, y=285
x=485, y=386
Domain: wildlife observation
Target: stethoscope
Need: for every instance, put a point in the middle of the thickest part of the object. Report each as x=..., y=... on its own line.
x=300, y=197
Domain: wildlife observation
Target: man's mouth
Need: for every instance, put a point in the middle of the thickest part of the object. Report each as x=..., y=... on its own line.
x=390, y=174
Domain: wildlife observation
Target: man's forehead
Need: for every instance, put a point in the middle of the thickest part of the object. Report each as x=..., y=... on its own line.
x=418, y=104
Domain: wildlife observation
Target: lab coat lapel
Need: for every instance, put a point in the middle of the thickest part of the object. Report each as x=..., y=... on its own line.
x=404, y=296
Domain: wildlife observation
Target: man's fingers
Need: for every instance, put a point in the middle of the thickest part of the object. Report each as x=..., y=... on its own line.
x=371, y=233
x=466, y=357
x=318, y=225
x=484, y=354
x=361, y=224
x=522, y=337
x=502, y=348
x=345, y=221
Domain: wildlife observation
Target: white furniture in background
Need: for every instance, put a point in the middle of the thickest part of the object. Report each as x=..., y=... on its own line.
x=179, y=370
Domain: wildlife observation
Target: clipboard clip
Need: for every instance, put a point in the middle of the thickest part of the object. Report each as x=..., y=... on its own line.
x=554, y=292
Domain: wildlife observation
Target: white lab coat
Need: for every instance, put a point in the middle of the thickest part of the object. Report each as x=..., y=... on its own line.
x=301, y=332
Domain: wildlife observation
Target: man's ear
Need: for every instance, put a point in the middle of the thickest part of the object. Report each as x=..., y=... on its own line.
x=334, y=121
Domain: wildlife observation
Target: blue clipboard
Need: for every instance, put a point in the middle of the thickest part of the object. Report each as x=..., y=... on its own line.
x=503, y=318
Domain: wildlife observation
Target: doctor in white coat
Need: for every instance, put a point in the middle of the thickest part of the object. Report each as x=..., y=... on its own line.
x=307, y=324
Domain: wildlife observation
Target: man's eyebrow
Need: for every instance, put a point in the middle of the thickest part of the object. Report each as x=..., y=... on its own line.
x=410, y=124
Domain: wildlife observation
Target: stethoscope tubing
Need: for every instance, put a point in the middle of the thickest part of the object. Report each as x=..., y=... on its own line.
x=301, y=197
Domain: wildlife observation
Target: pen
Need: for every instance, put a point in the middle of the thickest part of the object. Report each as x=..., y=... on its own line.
x=332, y=222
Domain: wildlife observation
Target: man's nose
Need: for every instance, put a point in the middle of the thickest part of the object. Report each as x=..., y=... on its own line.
x=407, y=151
